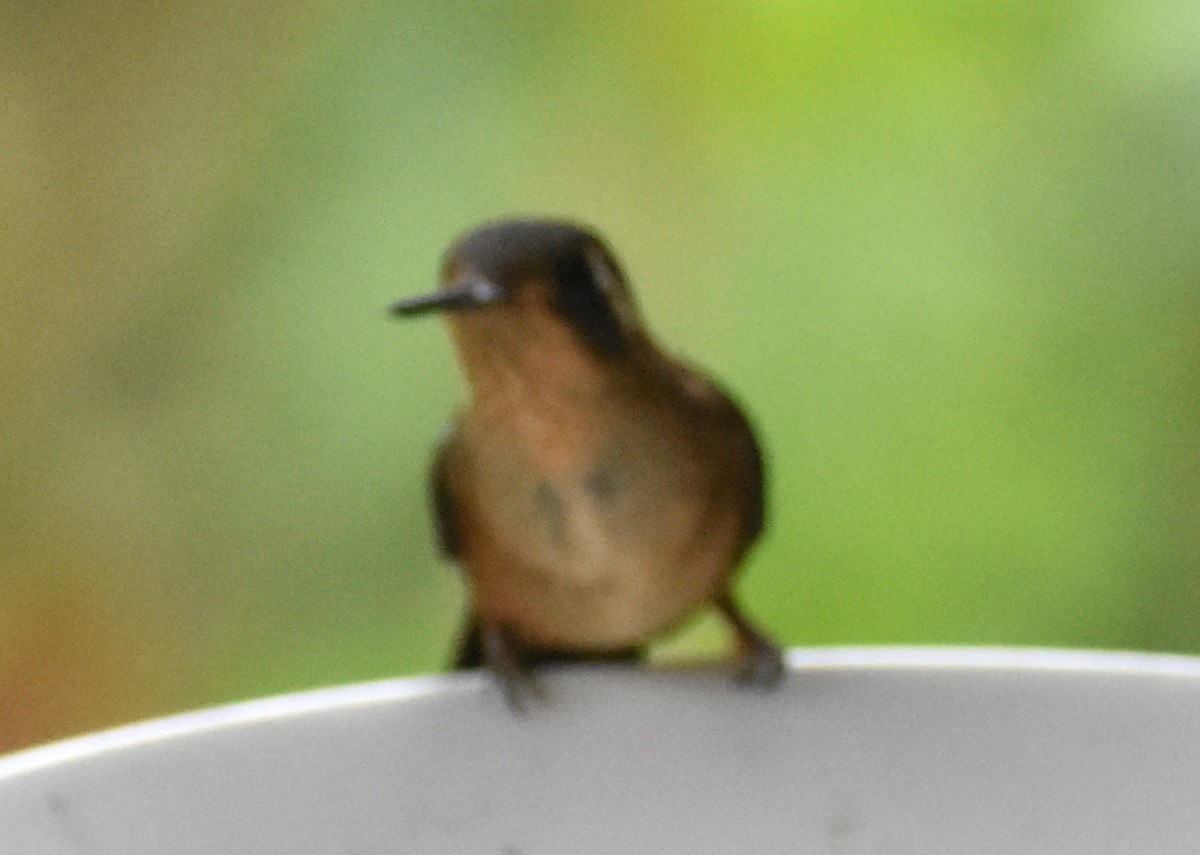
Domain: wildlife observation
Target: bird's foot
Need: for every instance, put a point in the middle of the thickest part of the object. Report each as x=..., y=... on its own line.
x=760, y=661
x=521, y=689
x=503, y=660
x=759, y=665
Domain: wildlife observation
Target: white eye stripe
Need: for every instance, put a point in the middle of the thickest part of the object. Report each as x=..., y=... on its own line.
x=603, y=275
x=609, y=282
x=484, y=291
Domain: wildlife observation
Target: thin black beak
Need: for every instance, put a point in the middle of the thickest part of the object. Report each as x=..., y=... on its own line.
x=471, y=294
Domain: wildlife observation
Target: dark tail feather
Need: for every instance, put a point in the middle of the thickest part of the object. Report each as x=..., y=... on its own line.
x=470, y=654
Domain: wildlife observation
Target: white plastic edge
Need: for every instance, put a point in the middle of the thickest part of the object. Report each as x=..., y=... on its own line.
x=386, y=691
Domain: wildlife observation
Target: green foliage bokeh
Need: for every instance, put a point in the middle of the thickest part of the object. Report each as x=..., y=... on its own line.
x=946, y=253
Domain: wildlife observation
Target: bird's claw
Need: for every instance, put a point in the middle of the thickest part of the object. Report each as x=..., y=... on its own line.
x=760, y=662
x=521, y=689
x=503, y=659
x=760, y=666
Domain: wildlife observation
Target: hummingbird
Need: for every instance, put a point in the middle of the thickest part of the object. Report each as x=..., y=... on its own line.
x=595, y=491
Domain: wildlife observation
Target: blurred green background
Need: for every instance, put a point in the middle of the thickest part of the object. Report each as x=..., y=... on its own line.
x=948, y=254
